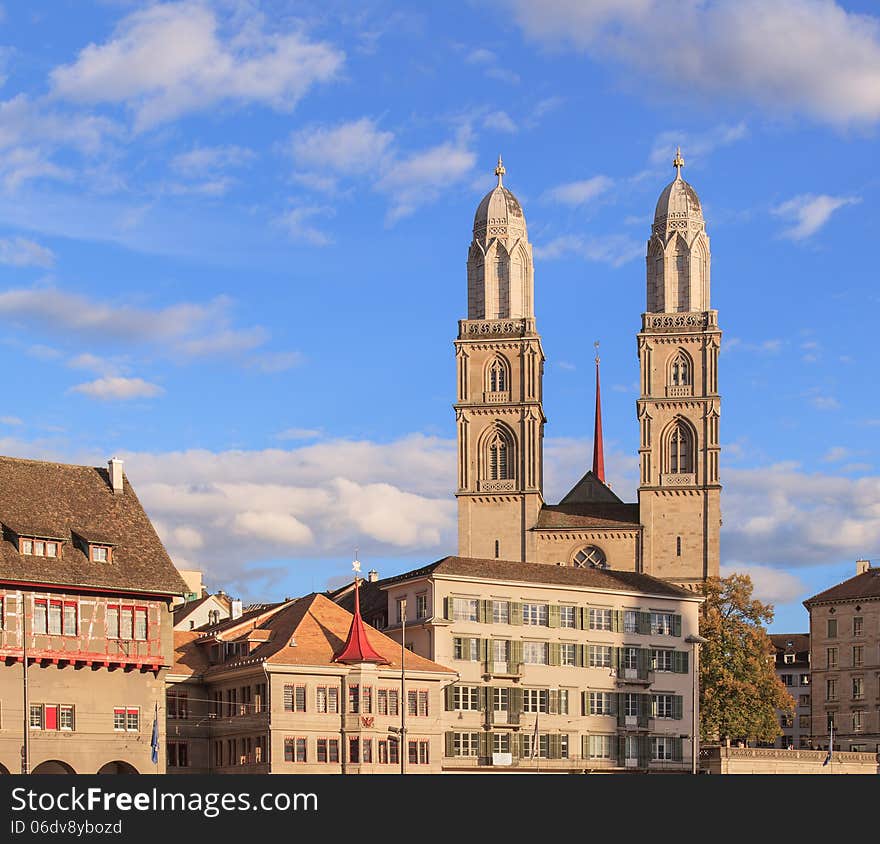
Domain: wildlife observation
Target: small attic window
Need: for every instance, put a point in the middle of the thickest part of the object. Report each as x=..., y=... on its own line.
x=789, y=658
x=100, y=553
x=37, y=547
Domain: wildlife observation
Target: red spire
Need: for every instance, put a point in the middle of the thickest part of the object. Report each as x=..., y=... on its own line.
x=357, y=647
x=598, y=454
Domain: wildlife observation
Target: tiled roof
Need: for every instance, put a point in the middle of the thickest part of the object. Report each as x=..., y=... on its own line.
x=188, y=659
x=316, y=625
x=63, y=500
x=865, y=585
x=491, y=569
x=588, y=514
x=799, y=642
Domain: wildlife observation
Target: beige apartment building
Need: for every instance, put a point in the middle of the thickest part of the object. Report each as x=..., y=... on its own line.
x=673, y=530
x=845, y=662
x=792, y=661
x=560, y=668
x=86, y=589
x=301, y=687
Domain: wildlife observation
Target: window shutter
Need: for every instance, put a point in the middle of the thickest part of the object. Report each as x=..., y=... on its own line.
x=583, y=618
x=555, y=746
x=621, y=750
x=585, y=747
x=514, y=704
x=516, y=745
x=585, y=703
x=644, y=751
x=516, y=656
x=485, y=744
x=644, y=709
x=484, y=612
x=581, y=655
x=643, y=622
x=450, y=744
x=676, y=625
x=614, y=703
x=677, y=707
x=621, y=708
x=553, y=702
x=553, y=615
x=644, y=662
x=515, y=612
x=617, y=621
x=680, y=662
x=447, y=609
x=450, y=698
x=617, y=660
x=555, y=658
x=677, y=753
x=482, y=698
x=484, y=650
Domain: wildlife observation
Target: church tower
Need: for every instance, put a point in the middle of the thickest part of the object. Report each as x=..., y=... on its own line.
x=498, y=410
x=679, y=405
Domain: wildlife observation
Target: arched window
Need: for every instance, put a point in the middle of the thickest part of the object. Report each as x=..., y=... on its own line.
x=590, y=557
x=497, y=376
x=499, y=457
x=680, y=453
x=680, y=371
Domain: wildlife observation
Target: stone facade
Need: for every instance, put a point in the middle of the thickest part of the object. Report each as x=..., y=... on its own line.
x=793, y=671
x=758, y=760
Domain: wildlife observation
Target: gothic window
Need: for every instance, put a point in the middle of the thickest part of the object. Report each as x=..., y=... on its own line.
x=680, y=450
x=497, y=376
x=499, y=457
x=590, y=557
x=680, y=371
x=502, y=277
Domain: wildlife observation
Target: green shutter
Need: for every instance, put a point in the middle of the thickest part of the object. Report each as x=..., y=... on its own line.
x=515, y=612
x=643, y=623
x=447, y=608
x=555, y=657
x=553, y=702
x=644, y=751
x=482, y=696
x=450, y=698
x=644, y=709
x=617, y=660
x=621, y=708
x=680, y=662
x=450, y=744
x=614, y=704
x=585, y=703
x=617, y=621
x=677, y=707
x=555, y=746
x=516, y=657
x=677, y=752
x=514, y=704
x=644, y=662
x=579, y=620
x=585, y=746
x=676, y=625
x=553, y=615
x=581, y=655
x=621, y=750
x=484, y=746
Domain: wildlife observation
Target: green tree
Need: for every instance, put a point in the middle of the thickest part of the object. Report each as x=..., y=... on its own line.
x=740, y=695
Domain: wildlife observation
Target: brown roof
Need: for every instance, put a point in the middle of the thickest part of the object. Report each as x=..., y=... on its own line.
x=63, y=500
x=589, y=514
x=865, y=585
x=621, y=581
x=791, y=642
x=318, y=627
x=188, y=659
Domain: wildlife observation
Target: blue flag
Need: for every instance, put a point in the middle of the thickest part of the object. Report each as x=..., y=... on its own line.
x=154, y=741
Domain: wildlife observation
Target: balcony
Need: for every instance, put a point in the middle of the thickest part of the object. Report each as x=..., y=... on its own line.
x=679, y=391
x=634, y=677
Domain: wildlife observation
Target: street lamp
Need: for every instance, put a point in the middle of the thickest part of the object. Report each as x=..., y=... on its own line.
x=696, y=641
x=402, y=686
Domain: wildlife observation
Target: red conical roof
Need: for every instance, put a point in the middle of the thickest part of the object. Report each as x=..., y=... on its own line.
x=598, y=453
x=357, y=647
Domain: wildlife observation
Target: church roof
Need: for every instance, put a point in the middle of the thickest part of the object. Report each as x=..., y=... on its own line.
x=500, y=210
x=865, y=585
x=513, y=570
x=678, y=197
x=588, y=514
x=590, y=489
x=357, y=646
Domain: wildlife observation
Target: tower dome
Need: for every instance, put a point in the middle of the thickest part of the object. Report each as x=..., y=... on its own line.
x=500, y=274
x=678, y=258
x=499, y=213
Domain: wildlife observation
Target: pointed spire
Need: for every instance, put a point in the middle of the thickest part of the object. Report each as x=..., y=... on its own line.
x=678, y=163
x=598, y=451
x=500, y=170
x=357, y=647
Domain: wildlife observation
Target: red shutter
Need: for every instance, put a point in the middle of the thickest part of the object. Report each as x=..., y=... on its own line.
x=51, y=716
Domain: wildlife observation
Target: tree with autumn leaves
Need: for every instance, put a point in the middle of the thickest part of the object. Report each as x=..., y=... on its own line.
x=740, y=695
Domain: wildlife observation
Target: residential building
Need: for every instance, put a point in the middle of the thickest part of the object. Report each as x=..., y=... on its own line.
x=793, y=670
x=206, y=609
x=301, y=687
x=673, y=530
x=560, y=668
x=86, y=589
x=845, y=662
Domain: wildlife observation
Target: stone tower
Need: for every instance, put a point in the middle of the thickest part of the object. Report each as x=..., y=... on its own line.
x=498, y=410
x=679, y=404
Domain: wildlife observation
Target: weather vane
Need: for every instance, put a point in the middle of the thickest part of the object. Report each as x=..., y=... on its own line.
x=678, y=161
x=500, y=169
x=596, y=344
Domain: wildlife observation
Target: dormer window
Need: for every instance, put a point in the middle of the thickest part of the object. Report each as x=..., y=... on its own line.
x=37, y=547
x=100, y=553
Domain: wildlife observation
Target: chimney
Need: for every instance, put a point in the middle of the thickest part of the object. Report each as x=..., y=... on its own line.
x=372, y=575
x=115, y=465
x=862, y=566
x=236, y=608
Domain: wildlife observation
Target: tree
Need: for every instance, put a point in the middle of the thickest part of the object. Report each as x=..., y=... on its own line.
x=740, y=695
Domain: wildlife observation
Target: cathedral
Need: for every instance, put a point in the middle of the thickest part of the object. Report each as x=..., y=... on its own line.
x=672, y=531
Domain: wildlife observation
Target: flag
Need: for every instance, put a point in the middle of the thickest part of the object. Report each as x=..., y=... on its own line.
x=830, y=746
x=154, y=741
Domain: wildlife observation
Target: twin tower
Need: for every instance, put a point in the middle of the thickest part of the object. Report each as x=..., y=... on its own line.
x=673, y=530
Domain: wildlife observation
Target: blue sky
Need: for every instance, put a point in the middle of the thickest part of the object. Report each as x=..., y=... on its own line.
x=233, y=239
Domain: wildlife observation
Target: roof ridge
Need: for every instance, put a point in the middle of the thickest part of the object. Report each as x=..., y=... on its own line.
x=56, y=463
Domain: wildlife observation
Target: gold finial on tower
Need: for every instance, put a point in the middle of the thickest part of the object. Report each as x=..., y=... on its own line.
x=678, y=163
x=499, y=170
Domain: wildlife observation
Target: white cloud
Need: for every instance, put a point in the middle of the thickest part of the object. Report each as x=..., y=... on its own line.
x=836, y=453
x=825, y=402
x=171, y=59
x=296, y=222
x=695, y=144
x=577, y=193
x=773, y=586
x=615, y=250
x=353, y=148
x=810, y=212
x=185, y=330
x=280, y=528
x=10, y=420
x=201, y=161
x=117, y=388
x=21, y=252
x=809, y=56
x=299, y=434
x=500, y=121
